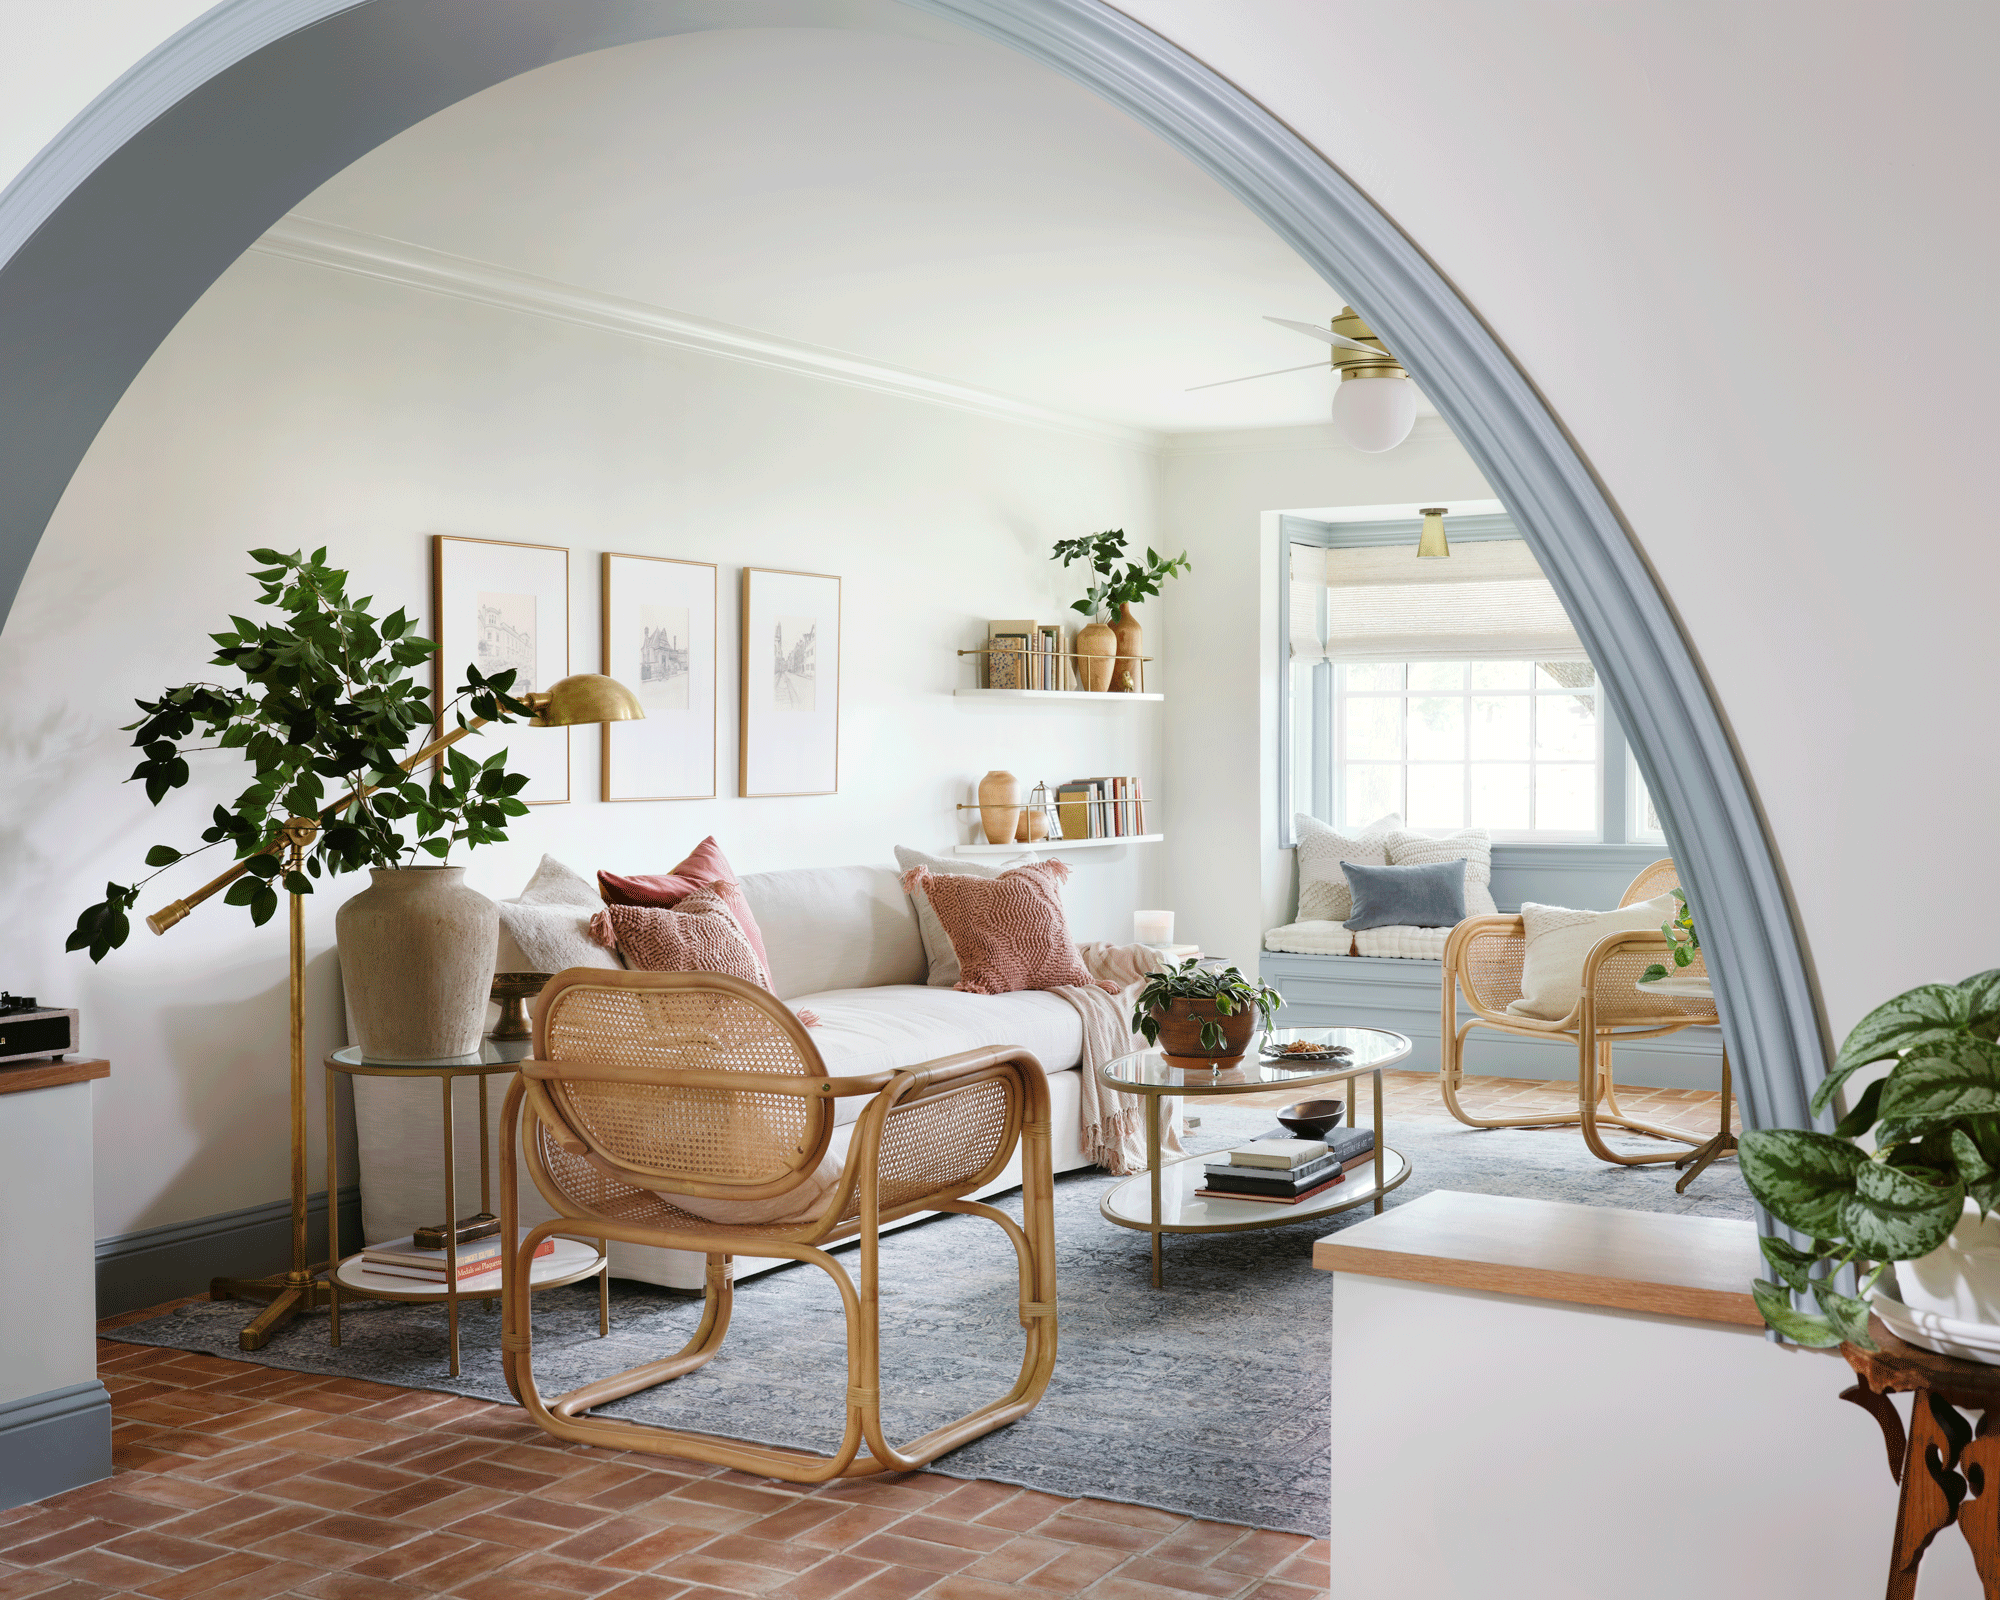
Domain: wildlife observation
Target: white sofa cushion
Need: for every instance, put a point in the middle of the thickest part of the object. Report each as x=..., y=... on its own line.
x=1323, y=892
x=904, y=1025
x=835, y=928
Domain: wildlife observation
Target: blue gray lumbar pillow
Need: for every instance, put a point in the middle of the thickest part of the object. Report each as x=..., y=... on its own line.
x=1427, y=896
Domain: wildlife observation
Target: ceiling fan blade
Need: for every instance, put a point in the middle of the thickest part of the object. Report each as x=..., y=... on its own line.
x=1316, y=366
x=1339, y=341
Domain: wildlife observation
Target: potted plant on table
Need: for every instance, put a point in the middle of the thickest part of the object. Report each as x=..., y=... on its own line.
x=1209, y=1013
x=1107, y=653
x=326, y=705
x=1922, y=1196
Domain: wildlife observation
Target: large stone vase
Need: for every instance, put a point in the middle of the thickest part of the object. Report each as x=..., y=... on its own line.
x=1096, y=644
x=417, y=949
x=1125, y=674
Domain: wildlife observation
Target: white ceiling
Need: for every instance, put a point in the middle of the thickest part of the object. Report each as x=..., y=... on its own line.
x=951, y=209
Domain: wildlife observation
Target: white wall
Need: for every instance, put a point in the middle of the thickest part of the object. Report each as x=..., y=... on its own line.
x=1220, y=493
x=297, y=406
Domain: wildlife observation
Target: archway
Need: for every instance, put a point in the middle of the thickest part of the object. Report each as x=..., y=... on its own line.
x=129, y=216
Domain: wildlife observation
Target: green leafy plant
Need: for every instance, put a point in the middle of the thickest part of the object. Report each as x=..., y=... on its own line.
x=1935, y=1121
x=1110, y=589
x=326, y=705
x=1226, y=986
x=1681, y=934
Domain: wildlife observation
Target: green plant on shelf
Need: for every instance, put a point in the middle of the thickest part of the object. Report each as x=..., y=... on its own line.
x=1109, y=588
x=1230, y=991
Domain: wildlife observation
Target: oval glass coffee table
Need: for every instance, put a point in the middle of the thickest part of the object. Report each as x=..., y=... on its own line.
x=1162, y=1199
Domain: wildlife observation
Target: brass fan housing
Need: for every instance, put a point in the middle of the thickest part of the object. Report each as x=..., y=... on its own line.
x=1354, y=364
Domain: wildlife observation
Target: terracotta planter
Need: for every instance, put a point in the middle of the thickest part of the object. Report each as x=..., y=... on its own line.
x=1033, y=827
x=1096, y=644
x=999, y=806
x=1180, y=1030
x=1125, y=675
x=416, y=955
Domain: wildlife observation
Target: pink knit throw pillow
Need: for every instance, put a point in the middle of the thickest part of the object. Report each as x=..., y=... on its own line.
x=700, y=934
x=1008, y=932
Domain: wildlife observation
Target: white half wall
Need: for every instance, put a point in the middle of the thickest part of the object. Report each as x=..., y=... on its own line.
x=297, y=406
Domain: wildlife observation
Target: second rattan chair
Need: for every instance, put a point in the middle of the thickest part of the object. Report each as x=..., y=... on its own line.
x=647, y=1086
x=1483, y=957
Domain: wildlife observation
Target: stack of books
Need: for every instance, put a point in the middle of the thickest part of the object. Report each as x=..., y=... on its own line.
x=1026, y=655
x=400, y=1258
x=1101, y=808
x=1285, y=1172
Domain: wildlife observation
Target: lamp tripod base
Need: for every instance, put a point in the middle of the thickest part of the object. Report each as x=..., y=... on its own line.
x=285, y=1294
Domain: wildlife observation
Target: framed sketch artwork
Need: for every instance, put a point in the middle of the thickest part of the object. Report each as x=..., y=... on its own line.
x=659, y=639
x=791, y=684
x=500, y=605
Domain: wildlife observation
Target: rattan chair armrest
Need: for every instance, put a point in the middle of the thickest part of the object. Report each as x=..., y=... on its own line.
x=933, y=1074
x=1467, y=933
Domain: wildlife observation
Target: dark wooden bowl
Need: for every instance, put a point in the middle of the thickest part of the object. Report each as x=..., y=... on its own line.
x=1311, y=1119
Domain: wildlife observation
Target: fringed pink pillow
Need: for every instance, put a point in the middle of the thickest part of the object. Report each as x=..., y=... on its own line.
x=700, y=934
x=1009, y=933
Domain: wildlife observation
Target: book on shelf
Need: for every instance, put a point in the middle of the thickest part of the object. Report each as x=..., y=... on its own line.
x=1349, y=1144
x=1280, y=1153
x=1273, y=1199
x=1055, y=654
x=1073, y=809
x=1250, y=1180
x=401, y=1258
x=1007, y=657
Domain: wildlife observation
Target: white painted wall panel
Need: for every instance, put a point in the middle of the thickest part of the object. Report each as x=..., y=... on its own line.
x=50, y=1301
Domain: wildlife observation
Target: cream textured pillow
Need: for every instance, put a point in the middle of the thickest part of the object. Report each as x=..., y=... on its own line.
x=547, y=927
x=1558, y=942
x=944, y=968
x=1323, y=892
x=1474, y=847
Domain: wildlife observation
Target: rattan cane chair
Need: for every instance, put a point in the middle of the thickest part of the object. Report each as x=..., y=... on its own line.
x=1483, y=958
x=705, y=1086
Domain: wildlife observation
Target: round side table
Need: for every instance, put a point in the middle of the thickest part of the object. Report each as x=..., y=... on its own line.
x=571, y=1261
x=1162, y=1199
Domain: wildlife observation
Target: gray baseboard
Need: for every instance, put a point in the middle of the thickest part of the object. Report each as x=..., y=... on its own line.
x=155, y=1264
x=1405, y=996
x=57, y=1440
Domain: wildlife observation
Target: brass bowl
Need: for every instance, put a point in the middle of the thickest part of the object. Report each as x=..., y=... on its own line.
x=514, y=990
x=1311, y=1119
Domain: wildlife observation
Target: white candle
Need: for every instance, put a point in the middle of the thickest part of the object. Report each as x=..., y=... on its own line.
x=1153, y=927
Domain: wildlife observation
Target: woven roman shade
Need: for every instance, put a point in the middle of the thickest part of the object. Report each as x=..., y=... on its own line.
x=1488, y=601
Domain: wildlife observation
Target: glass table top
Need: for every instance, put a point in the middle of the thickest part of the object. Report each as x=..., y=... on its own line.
x=492, y=1055
x=1368, y=1048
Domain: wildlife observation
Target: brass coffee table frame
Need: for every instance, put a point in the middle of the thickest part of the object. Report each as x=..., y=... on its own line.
x=496, y=1057
x=1250, y=1074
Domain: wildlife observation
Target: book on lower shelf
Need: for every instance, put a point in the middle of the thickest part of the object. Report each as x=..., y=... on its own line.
x=1282, y=1154
x=1319, y=1186
x=400, y=1258
x=1101, y=808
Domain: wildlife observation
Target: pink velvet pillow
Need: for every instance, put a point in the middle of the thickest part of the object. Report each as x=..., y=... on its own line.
x=1008, y=932
x=705, y=866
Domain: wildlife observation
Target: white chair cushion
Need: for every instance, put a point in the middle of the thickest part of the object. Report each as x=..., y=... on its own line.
x=1323, y=892
x=904, y=1025
x=835, y=928
x=1474, y=846
x=1558, y=941
x=1316, y=938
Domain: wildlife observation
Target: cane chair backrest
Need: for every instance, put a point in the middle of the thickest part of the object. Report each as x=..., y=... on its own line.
x=1658, y=879
x=663, y=1131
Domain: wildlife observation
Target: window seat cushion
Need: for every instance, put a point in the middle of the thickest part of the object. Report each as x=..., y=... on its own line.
x=1333, y=939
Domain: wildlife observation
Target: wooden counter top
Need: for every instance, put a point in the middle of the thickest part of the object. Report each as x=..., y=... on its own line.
x=1675, y=1266
x=22, y=1075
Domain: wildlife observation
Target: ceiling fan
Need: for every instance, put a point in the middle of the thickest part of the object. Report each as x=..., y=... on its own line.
x=1374, y=416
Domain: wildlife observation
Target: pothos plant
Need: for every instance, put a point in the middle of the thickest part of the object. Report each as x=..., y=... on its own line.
x=1110, y=589
x=1225, y=986
x=327, y=705
x=1935, y=1122
x=1682, y=935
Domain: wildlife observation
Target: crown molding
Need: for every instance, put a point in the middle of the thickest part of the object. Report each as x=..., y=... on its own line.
x=414, y=266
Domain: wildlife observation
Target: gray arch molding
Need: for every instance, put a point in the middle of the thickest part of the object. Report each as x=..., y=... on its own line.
x=122, y=223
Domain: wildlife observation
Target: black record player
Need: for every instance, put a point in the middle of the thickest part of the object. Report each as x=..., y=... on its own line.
x=29, y=1032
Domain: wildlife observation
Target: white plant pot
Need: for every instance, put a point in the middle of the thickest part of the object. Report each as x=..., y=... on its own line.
x=1960, y=1279
x=417, y=949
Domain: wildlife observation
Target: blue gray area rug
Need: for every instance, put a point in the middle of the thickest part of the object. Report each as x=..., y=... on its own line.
x=1207, y=1398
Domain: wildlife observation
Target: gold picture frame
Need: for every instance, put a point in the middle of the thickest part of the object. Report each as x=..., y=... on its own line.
x=674, y=754
x=788, y=733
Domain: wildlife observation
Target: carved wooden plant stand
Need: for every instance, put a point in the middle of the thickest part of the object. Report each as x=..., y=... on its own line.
x=1949, y=1470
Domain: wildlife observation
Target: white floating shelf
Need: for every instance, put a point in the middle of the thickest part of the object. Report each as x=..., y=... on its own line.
x=1056, y=694
x=1052, y=844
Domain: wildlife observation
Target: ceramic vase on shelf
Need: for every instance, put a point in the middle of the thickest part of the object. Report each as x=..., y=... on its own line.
x=416, y=956
x=1033, y=826
x=1096, y=644
x=999, y=806
x=1125, y=674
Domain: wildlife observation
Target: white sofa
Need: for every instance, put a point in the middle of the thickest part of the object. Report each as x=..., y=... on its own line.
x=843, y=941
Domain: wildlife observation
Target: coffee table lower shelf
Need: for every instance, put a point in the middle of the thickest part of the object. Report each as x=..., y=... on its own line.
x=1130, y=1204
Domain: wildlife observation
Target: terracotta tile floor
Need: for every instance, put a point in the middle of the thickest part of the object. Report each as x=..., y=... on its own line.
x=240, y=1482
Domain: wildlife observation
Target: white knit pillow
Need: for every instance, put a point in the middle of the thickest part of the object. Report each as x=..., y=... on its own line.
x=1474, y=846
x=1558, y=942
x=1323, y=892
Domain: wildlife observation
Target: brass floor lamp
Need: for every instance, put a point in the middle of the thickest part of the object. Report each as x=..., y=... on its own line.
x=584, y=698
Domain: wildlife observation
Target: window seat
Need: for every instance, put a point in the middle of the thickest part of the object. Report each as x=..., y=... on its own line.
x=1334, y=939
x=1402, y=994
